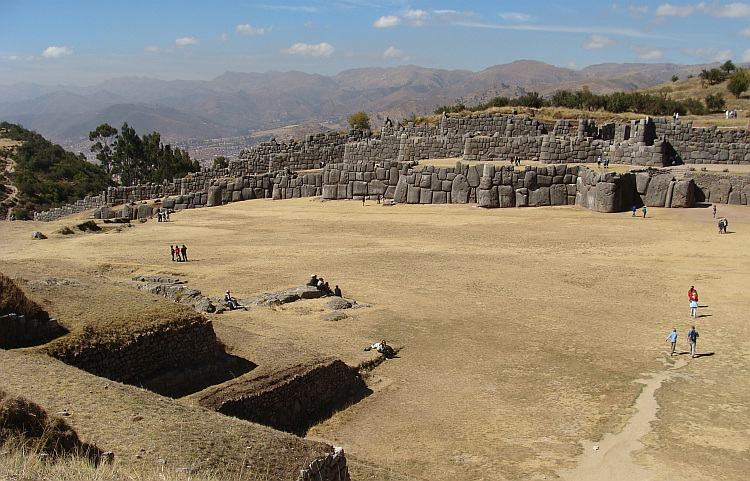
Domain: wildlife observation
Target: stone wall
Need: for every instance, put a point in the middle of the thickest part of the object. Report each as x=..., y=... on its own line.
x=721, y=188
x=329, y=468
x=269, y=169
x=147, y=354
x=17, y=331
x=294, y=402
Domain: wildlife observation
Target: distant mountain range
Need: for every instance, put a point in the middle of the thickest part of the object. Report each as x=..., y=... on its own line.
x=238, y=104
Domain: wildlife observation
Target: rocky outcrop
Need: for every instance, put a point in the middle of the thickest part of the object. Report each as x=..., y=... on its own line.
x=289, y=295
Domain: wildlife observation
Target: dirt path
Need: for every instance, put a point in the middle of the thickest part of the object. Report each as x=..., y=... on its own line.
x=611, y=458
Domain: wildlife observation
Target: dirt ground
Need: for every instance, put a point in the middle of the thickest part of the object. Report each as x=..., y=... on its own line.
x=526, y=334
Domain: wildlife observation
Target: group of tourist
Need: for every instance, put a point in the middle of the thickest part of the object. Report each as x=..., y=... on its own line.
x=723, y=225
x=692, y=335
x=635, y=208
x=162, y=216
x=730, y=114
x=600, y=162
x=179, y=254
x=322, y=285
x=515, y=160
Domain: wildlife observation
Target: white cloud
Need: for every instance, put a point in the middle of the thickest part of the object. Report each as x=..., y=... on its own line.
x=321, y=50
x=391, y=52
x=152, y=48
x=185, y=41
x=515, y=17
x=745, y=32
x=55, y=52
x=648, y=52
x=636, y=11
x=597, y=41
x=387, y=21
x=248, y=29
x=668, y=10
x=745, y=56
x=731, y=10
x=709, y=54
x=420, y=18
x=222, y=38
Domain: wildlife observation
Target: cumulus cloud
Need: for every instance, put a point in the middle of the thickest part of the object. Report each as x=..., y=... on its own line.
x=248, y=29
x=185, y=41
x=745, y=56
x=321, y=50
x=152, y=49
x=391, y=52
x=709, y=54
x=745, y=32
x=597, y=41
x=55, y=52
x=420, y=18
x=648, y=52
x=386, y=21
x=730, y=10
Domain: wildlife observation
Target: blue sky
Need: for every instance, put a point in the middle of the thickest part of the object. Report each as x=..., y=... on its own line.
x=85, y=42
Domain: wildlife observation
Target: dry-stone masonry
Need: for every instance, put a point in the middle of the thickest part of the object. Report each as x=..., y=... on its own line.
x=294, y=402
x=275, y=170
x=17, y=331
x=332, y=467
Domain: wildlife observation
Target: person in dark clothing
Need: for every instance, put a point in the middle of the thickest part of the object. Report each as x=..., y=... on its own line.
x=313, y=281
x=328, y=289
x=231, y=301
x=337, y=291
x=184, y=253
x=171, y=251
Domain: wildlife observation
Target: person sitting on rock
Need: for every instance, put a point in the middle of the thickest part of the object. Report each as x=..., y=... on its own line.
x=231, y=301
x=313, y=281
x=337, y=291
x=328, y=289
x=321, y=284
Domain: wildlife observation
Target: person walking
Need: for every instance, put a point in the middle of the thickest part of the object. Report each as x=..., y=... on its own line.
x=634, y=209
x=714, y=211
x=721, y=226
x=693, y=298
x=672, y=337
x=692, y=338
x=644, y=211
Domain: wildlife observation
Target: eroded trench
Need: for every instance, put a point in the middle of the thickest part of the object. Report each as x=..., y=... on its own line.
x=189, y=360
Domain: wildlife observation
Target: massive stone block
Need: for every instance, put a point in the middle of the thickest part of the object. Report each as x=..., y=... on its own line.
x=719, y=193
x=558, y=194
x=425, y=196
x=606, y=197
x=214, y=196
x=656, y=193
x=488, y=198
x=412, y=194
x=522, y=197
x=399, y=195
x=539, y=197
x=439, y=197
x=359, y=188
x=460, y=190
x=377, y=187
x=683, y=193
x=507, y=196
x=474, y=176
x=641, y=182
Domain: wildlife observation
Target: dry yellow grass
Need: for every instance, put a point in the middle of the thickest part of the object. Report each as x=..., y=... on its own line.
x=523, y=330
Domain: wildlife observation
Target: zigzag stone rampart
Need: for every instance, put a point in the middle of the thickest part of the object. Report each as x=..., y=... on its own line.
x=272, y=169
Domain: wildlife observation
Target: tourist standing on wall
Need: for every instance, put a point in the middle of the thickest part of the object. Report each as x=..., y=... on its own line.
x=692, y=338
x=672, y=337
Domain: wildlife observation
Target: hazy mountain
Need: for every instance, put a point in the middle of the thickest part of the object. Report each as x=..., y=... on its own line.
x=236, y=103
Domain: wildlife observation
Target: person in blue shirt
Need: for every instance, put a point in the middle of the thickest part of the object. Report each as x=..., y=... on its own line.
x=692, y=338
x=672, y=337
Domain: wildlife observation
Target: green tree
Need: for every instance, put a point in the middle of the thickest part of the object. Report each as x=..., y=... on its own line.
x=103, y=136
x=713, y=76
x=739, y=82
x=728, y=66
x=360, y=121
x=675, y=78
x=220, y=162
x=715, y=102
